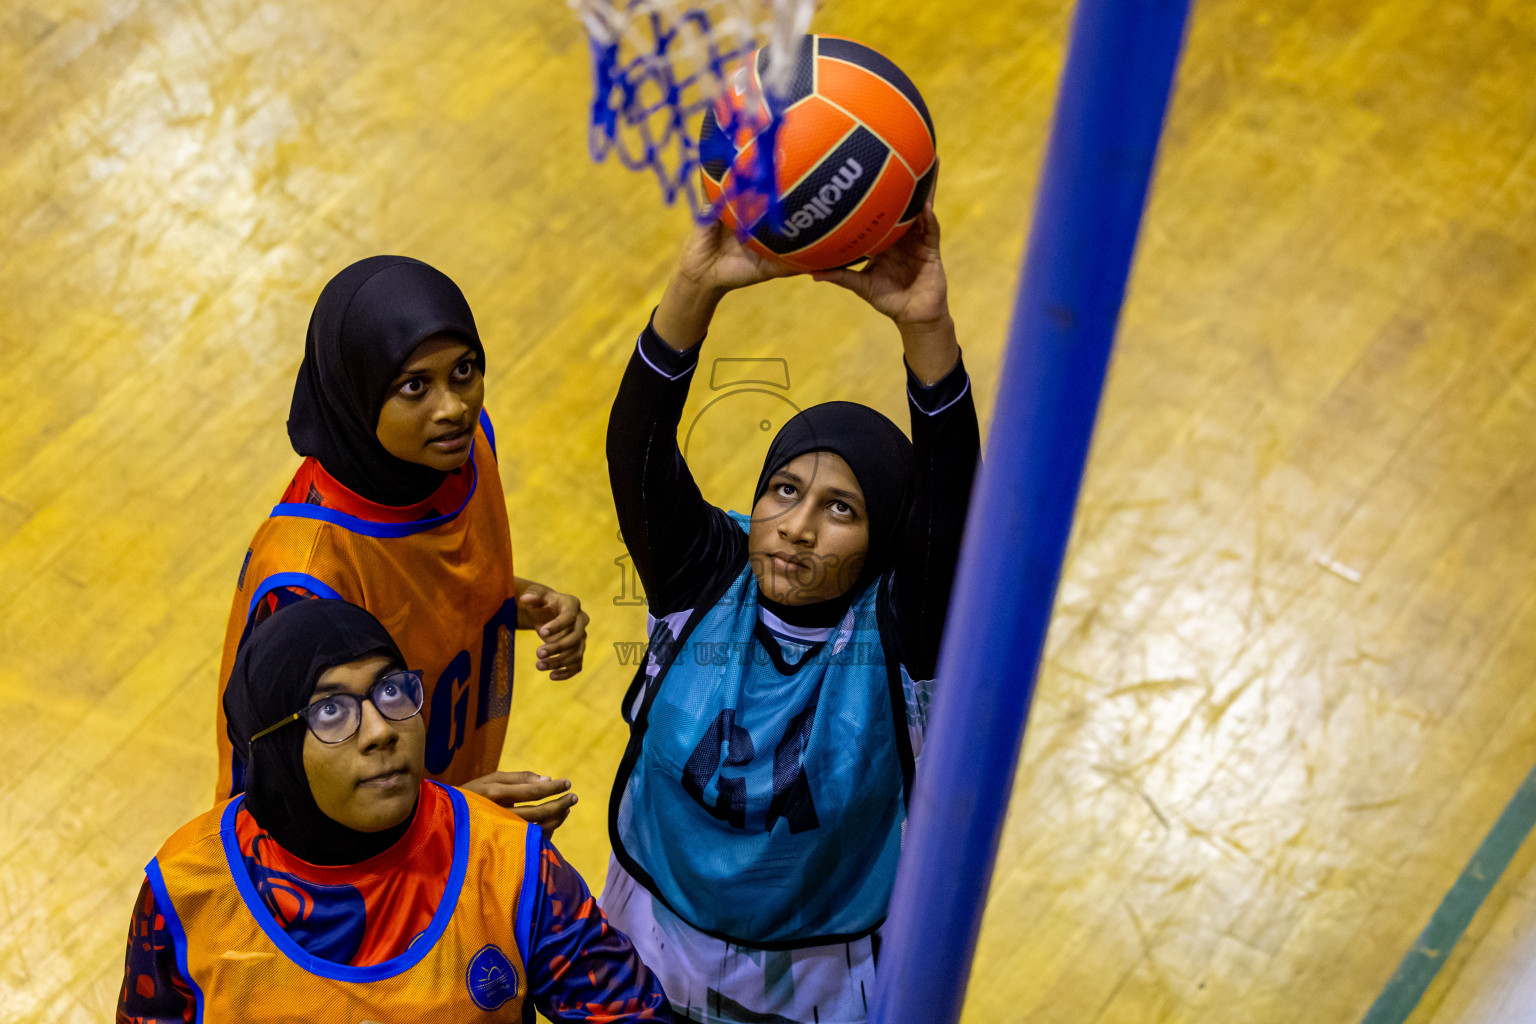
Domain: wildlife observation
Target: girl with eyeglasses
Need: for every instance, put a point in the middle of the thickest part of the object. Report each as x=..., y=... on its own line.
x=344, y=886
x=398, y=508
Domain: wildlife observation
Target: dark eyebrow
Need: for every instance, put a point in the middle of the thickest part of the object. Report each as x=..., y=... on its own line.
x=323, y=689
x=846, y=497
x=407, y=372
x=787, y=474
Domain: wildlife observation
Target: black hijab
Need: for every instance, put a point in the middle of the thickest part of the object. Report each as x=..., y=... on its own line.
x=274, y=675
x=366, y=323
x=881, y=459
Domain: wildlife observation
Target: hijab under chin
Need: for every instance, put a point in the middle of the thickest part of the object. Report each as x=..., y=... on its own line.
x=274, y=676
x=881, y=459
x=367, y=322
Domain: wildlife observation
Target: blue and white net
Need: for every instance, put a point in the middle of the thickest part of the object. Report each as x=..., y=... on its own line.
x=659, y=65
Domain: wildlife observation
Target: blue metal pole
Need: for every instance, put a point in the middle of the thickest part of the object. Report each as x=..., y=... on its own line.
x=1114, y=92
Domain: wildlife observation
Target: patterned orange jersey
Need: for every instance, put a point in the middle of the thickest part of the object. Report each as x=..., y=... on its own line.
x=442, y=585
x=467, y=966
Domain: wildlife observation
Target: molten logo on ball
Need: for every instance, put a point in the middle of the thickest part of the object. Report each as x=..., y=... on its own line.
x=853, y=155
x=820, y=206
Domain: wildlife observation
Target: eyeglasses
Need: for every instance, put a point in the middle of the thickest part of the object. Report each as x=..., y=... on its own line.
x=336, y=717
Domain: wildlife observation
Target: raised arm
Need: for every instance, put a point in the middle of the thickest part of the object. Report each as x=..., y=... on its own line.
x=946, y=443
x=907, y=284
x=678, y=540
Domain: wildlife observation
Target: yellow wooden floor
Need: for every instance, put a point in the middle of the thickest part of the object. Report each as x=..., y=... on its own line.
x=1290, y=684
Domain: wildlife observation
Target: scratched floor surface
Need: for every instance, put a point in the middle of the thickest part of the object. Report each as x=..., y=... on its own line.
x=1289, y=684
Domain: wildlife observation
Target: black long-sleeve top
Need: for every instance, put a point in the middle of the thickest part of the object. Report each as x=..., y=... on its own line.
x=683, y=547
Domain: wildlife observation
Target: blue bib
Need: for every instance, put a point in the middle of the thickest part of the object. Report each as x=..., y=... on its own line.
x=763, y=794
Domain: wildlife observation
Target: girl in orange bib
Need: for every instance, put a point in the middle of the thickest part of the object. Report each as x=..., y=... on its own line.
x=398, y=508
x=342, y=887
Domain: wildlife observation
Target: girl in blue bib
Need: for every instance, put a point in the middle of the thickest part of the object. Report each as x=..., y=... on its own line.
x=757, y=816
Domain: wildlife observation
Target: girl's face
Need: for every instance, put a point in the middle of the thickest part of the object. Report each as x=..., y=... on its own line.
x=810, y=531
x=368, y=783
x=433, y=405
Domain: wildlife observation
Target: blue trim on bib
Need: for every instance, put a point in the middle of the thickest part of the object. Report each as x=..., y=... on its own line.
x=346, y=972
x=490, y=431
x=522, y=930
x=173, y=922
x=288, y=579
x=369, y=528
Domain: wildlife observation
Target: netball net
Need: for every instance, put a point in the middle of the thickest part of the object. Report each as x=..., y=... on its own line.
x=658, y=65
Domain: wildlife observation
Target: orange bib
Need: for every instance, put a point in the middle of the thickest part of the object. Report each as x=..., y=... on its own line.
x=443, y=588
x=466, y=967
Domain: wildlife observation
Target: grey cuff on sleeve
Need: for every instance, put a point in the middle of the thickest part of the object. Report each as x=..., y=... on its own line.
x=932, y=399
x=663, y=358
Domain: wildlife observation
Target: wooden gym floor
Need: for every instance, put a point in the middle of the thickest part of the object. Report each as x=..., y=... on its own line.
x=1290, y=681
